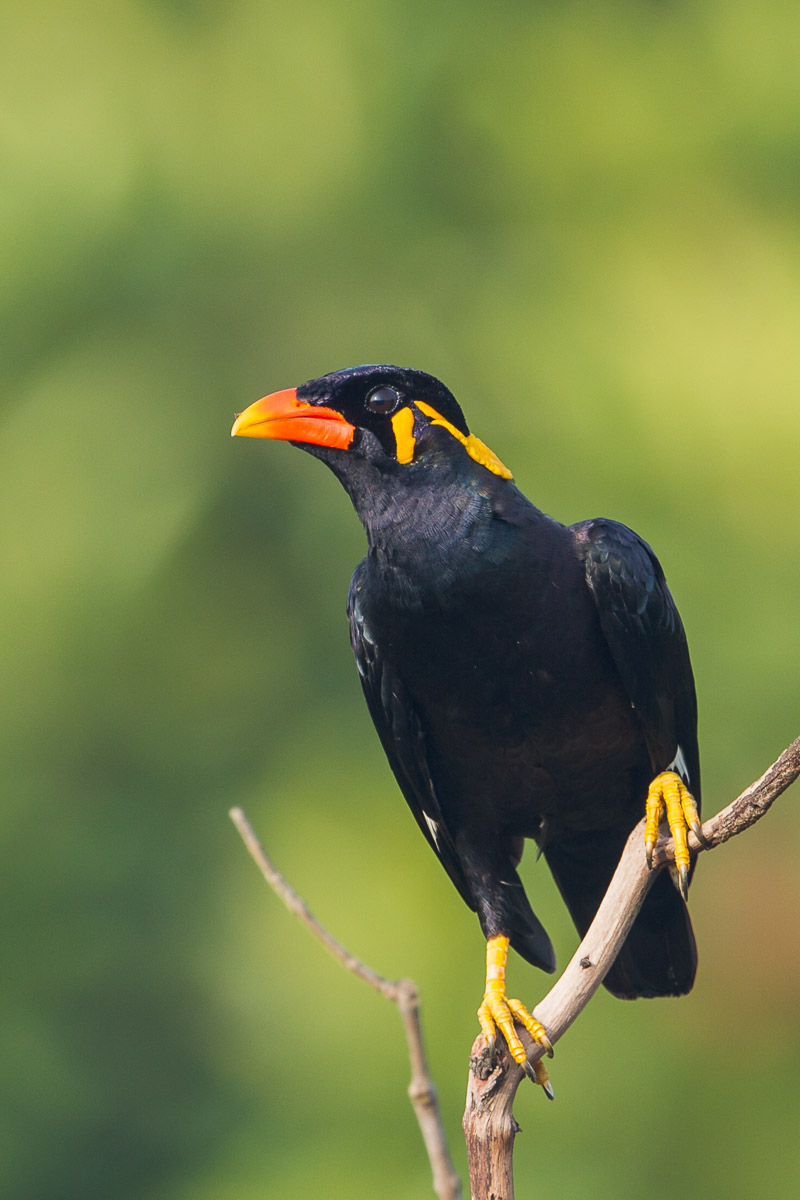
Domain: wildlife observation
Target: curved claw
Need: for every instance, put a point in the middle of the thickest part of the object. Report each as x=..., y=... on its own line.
x=697, y=830
x=537, y=1073
x=649, y=846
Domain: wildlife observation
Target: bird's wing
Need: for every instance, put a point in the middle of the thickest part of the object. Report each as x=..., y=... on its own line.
x=403, y=739
x=645, y=635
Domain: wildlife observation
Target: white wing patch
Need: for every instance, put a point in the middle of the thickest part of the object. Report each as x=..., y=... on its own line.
x=434, y=828
x=678, y=765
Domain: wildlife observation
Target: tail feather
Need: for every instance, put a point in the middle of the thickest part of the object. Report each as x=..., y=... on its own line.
x=528, y=936
x=659, y=956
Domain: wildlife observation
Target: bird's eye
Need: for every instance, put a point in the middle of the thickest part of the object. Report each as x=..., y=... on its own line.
x=383, y=400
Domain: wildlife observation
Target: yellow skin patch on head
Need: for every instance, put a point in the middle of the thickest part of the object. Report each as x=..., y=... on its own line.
x=403, y=426
x=473, y=446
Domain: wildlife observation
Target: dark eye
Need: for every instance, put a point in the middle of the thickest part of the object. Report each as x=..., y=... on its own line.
x=383, y=400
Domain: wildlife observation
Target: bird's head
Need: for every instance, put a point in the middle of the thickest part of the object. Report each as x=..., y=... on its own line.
x=392, y=416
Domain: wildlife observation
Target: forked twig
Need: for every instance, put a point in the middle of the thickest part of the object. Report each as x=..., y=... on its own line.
x=401, y=992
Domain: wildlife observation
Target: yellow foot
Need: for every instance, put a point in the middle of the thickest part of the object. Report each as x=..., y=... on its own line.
x=668, y=796
x=498, y=1010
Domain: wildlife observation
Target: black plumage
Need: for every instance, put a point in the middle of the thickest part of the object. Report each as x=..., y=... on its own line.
x=527, y=679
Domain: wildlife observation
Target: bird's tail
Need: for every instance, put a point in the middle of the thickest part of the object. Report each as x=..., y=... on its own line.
x=659, y=956
x=528, y=935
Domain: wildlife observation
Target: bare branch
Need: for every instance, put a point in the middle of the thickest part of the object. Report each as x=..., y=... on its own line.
x=748, y=807
x=488, y=1124
x=401, y=992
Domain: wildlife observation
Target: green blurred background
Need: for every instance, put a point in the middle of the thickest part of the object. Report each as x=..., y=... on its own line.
x=584, y=217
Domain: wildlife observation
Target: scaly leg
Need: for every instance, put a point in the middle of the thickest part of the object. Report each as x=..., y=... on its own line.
x=498, y=1010
x=668, y=796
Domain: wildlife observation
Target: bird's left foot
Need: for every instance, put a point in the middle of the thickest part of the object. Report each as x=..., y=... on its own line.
x=669, y=796
x=500, y=1011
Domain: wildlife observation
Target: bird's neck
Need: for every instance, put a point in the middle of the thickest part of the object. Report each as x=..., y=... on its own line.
x=436, y=546
x=436, y=530
x=404, y=515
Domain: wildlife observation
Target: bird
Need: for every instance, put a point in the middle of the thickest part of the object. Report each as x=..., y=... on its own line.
x=528, y=680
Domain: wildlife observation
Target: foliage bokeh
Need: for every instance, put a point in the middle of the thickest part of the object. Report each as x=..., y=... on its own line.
x=585, y=219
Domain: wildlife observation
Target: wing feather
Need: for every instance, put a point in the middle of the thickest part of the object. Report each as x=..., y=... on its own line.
x=403, y=739
x=645, y=635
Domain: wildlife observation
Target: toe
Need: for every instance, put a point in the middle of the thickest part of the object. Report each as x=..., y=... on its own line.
x=535, y=1028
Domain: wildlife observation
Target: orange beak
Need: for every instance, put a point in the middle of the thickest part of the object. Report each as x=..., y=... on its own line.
x=284, y=417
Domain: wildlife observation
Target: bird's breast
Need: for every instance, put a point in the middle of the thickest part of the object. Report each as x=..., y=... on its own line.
x=514, y=685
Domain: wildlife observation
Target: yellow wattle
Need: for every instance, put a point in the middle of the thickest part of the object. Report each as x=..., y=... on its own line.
x=473, y=446
x=403, y=426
